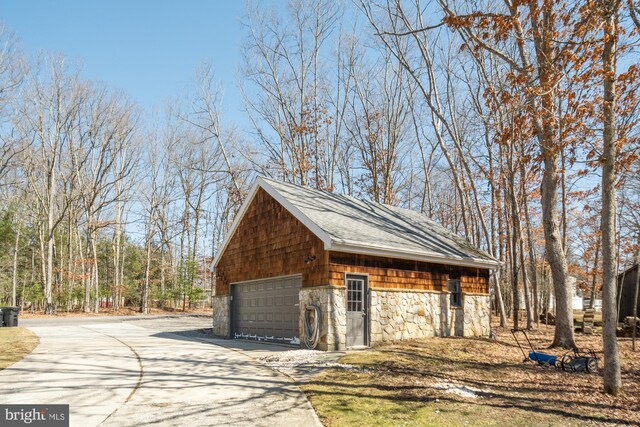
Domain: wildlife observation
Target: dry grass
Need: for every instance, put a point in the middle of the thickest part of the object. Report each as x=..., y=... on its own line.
x=398, y=386
x=15, y=343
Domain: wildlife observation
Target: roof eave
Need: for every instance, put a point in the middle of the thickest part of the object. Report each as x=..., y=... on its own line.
x=414, y=255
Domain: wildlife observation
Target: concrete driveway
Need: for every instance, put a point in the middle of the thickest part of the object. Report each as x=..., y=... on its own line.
x=124, y=374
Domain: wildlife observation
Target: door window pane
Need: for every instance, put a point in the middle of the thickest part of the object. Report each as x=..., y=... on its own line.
x=355, y=295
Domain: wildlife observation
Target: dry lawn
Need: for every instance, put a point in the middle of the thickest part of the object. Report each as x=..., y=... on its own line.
x=406, y=384
x=15, y=343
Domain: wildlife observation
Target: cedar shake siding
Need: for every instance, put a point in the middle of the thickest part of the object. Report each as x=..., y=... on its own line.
x=270, y=242
x=390, y=273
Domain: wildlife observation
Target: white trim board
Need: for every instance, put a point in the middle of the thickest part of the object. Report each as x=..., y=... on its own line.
x=413, y=255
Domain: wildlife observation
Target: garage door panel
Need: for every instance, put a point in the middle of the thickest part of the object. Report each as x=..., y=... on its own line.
x=267, y=308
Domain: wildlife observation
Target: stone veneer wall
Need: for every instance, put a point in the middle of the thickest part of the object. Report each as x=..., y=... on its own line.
x=221, y=313
x=333, y=322
x=398, y=315
x=477, y=321
x=394, y=315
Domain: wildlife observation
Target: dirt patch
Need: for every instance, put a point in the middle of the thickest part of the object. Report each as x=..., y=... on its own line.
x=293, y=359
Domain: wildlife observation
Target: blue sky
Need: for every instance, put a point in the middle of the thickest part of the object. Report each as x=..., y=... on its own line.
x=148, y=48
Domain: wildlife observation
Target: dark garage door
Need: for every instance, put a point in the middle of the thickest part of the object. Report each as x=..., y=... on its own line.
x=266, y=308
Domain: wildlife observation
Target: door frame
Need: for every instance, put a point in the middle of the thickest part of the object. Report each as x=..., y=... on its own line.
x=366, y=300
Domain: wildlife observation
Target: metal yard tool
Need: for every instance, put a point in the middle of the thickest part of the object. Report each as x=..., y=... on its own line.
x=578, y=360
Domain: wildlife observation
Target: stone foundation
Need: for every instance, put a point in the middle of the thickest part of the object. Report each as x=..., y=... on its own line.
x=221, y=313
x=399, y=315
x=394, y=315
x=333, y=322
x=404, y=315
x=477, y=321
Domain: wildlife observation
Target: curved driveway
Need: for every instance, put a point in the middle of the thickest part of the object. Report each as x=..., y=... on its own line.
x=125, y=375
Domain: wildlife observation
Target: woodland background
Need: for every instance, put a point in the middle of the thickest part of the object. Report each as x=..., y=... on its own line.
x=453, y=109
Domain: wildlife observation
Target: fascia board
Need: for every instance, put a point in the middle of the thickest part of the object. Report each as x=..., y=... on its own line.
x=413, y=255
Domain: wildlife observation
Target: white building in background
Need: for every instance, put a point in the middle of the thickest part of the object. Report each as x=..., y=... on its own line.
x=578, y=300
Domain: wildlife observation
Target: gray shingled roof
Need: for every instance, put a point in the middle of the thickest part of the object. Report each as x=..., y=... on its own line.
x=364, y=224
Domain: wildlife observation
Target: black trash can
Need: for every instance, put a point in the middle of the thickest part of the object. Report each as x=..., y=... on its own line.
x=10, y=316
x=1, y=319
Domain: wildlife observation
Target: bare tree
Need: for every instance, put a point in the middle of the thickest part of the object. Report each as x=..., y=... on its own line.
x=540, y=66
x=380, y=115
x=290, y=110
x=47, y=119
x=104, y=132
x=612, y=379
x=12, y=73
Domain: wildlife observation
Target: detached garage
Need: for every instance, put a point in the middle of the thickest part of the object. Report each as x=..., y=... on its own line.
x=367, y=272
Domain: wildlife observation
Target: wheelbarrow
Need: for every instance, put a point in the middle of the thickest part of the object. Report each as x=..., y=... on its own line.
x=573, y=361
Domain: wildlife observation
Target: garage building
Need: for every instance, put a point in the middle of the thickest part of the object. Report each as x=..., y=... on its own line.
x=374, y=272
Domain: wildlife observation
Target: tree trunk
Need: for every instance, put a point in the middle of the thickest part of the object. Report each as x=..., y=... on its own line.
x=612, y=379
x=71, y=266
x=116, y=256
x=48, y=299
x=48, y=270
x=85, y=280
x=635, y=296
x=162, y=277
x=123, y=251
x=499, y=299
x=525, y=284
x=545, y=124
x=94, y=277
x=564, y=336
x=144, y=297
x=14, y=278
x=499, y=252
x=513, y=258
x=534, y=276
x=532, y=255
x=594, y=278
x=563, y=162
